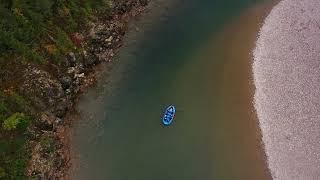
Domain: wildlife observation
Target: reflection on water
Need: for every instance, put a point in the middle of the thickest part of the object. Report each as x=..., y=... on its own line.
x=172, y=61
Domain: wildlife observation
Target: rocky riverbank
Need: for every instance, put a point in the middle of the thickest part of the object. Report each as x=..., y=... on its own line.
x=53, y=89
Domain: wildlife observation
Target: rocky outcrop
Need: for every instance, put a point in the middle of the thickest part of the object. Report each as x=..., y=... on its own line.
x=45, y=91
x=106, y=37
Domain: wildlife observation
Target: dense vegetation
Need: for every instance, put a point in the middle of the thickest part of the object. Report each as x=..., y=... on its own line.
x=37, y=31
x=13, y=135
x=40, y=29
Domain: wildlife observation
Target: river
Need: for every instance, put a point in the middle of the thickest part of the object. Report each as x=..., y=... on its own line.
x=194, y=54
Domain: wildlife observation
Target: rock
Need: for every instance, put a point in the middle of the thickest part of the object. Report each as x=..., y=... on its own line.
x=72, y=56
x=71, y=59
x=42, y=157
x=44, y=91
x=85, y=53
x=109, y=39
x=46, y=121
x=90, y=60
x=66, y=82
x=61, y=108
x=68, y=91
x=79, y=75
x=47, y=118
x=71, y=70
x=80, y=67
x=58, y=120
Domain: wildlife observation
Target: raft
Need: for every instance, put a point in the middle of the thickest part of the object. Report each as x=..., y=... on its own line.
x=168, y=116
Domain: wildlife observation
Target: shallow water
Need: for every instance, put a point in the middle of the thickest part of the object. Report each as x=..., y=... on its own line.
x=195, y=55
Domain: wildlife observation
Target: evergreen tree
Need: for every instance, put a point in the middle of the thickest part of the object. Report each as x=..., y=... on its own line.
x=26, y=24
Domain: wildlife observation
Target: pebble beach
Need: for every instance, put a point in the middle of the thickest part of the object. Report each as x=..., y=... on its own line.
x=286, y=72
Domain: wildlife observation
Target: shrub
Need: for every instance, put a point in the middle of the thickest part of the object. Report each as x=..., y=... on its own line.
x=14, y=121
x=3, y=108
x=18, y=100
x=14, y=156
x=3, y=111
x=2, y=173
x=16, y=166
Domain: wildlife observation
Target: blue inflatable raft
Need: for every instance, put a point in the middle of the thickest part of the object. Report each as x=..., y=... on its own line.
x=168, y=115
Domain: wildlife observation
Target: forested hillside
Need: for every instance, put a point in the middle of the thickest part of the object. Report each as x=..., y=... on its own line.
x=46, y=50
x=40, y=30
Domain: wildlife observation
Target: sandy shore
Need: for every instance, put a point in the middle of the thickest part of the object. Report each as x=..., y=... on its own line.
x=287, y=79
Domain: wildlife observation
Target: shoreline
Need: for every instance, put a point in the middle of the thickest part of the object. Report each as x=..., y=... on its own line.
x=87, y=77
x=259, y=135
x=93, y=75
x=242, y=92
x=252, y=87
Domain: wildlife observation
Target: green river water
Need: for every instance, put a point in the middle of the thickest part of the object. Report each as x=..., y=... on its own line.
x=194, y=54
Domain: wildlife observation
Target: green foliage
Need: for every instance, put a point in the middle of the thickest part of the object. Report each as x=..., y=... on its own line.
x=26, y=24
x=14, y=157
x=34, y=30
x=12, y=103
x=2, y=173
x=18, y=168
x=15, y=163
x=13, y=153
x=14, y=121
x=9, y=118
x=63, y=42
x=4, y=146
x=19, y=101
x=3, y=111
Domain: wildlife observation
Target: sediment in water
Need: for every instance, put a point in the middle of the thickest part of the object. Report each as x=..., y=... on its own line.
x=287, y=80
